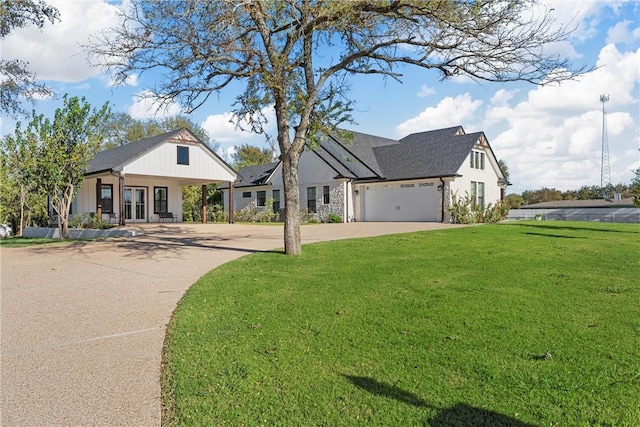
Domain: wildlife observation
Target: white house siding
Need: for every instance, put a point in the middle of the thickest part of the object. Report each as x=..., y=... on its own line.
x=400, y=201
x=85, y=201
x=163, y=161
x=312, y=172
x=461, y=187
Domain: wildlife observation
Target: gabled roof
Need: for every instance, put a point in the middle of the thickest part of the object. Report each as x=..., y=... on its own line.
x=254, y=175
x=427, y=154
x=115, y=159
x=431, y=154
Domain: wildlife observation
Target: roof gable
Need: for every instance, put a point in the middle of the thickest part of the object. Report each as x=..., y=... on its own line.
x=255, y=175
x=116, y=159
x=430, y=154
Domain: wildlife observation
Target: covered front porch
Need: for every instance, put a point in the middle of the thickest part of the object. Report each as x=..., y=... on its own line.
x=128, y=199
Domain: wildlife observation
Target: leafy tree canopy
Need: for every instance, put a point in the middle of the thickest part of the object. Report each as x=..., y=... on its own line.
x=65, y=146
x=249, y=155
x=16, y=80
x=122, y=129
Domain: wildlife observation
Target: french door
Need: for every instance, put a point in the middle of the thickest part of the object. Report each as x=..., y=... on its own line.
x=135, y=204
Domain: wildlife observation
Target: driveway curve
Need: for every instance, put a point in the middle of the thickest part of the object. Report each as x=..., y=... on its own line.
x=83, y=324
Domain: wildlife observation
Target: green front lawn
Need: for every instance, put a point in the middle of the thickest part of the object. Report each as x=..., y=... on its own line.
x=527, y=323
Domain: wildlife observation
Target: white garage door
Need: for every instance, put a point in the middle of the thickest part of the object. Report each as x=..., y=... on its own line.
x=400, y=202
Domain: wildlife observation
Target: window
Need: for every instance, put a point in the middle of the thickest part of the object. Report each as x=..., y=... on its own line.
x=474, y=192
x=325, y=194
x=106, y=194
x=160, y=200
x=481, y=194
x=261, y=198
x=246, y=194
x=311, y=199
x=183, y=155
x=477, y=160
x=477, y=193
x=276, y=200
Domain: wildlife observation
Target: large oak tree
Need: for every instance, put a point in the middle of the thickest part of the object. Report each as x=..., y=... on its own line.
x=17, y=81
x=296, y=56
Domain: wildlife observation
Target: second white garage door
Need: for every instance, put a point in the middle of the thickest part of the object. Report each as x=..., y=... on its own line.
x=400, y=202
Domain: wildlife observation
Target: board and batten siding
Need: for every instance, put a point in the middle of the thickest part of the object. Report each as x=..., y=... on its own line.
x=163, y=161
x=85, y=201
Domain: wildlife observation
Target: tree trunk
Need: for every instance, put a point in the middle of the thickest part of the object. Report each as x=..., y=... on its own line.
x=22, y=198
x=292, y=203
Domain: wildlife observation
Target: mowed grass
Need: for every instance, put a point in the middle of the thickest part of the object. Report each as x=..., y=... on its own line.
x=527, y=323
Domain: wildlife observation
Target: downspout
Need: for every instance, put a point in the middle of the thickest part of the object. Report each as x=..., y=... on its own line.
x=442, y=204
x=346, y=193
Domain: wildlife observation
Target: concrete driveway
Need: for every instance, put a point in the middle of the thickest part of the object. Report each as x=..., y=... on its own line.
x=83, y=324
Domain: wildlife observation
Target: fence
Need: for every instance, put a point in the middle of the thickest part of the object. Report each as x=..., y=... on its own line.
x=579, y=214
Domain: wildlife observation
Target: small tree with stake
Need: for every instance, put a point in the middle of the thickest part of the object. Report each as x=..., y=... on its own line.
x=66, y=145
x=296, y=56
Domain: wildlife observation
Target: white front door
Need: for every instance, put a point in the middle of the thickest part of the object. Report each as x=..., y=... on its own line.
x=135, y=204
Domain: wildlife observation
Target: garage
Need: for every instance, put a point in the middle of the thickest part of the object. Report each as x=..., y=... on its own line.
x=415, y=201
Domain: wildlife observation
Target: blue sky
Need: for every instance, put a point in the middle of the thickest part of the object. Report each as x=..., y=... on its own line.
x=549, y=136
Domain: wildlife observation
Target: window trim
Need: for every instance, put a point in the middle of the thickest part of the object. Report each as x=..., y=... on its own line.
x=155, y=201
x=181, y=160
x=276, y=200
x=477, y=159
x=312, y=204
x=246, y=194
x=102, y=188
x=261, y=198
x=478, y=193
x=326, y=195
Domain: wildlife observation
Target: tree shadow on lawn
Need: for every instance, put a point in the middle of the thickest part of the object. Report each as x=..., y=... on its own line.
x=560, y=236
x=460, y=414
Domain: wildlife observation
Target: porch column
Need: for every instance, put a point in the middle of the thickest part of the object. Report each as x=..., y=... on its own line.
x=204, y=203
x=121, y=194
x=230, y=202
x=99, y=199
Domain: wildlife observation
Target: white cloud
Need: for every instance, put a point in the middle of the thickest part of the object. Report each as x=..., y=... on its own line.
x=426, y=91
x=131, y=80
x=145, y=106
x=449, y=112
x=621, y=33
x=553, y=136
x=222, y=127
x=55, y=52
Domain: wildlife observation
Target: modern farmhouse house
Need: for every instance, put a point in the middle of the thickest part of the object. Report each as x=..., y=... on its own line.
x=142, y=181
x=370, y=178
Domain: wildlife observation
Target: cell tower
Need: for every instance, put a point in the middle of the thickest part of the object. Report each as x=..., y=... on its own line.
x=605, y=170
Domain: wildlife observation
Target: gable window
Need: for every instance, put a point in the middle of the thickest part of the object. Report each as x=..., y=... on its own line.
x=160, y=198
x=311, y=199
x=276, y=200
x=261, y=197
x=477, y=160
x=477, y=193
x=325, y=194
x=106, y=195
x=183, y=155
x=246, y=194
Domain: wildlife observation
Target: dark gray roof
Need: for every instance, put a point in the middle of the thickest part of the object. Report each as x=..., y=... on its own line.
x=426, y=154
x=116, y=158
x=253, y=175
x=363, y=157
